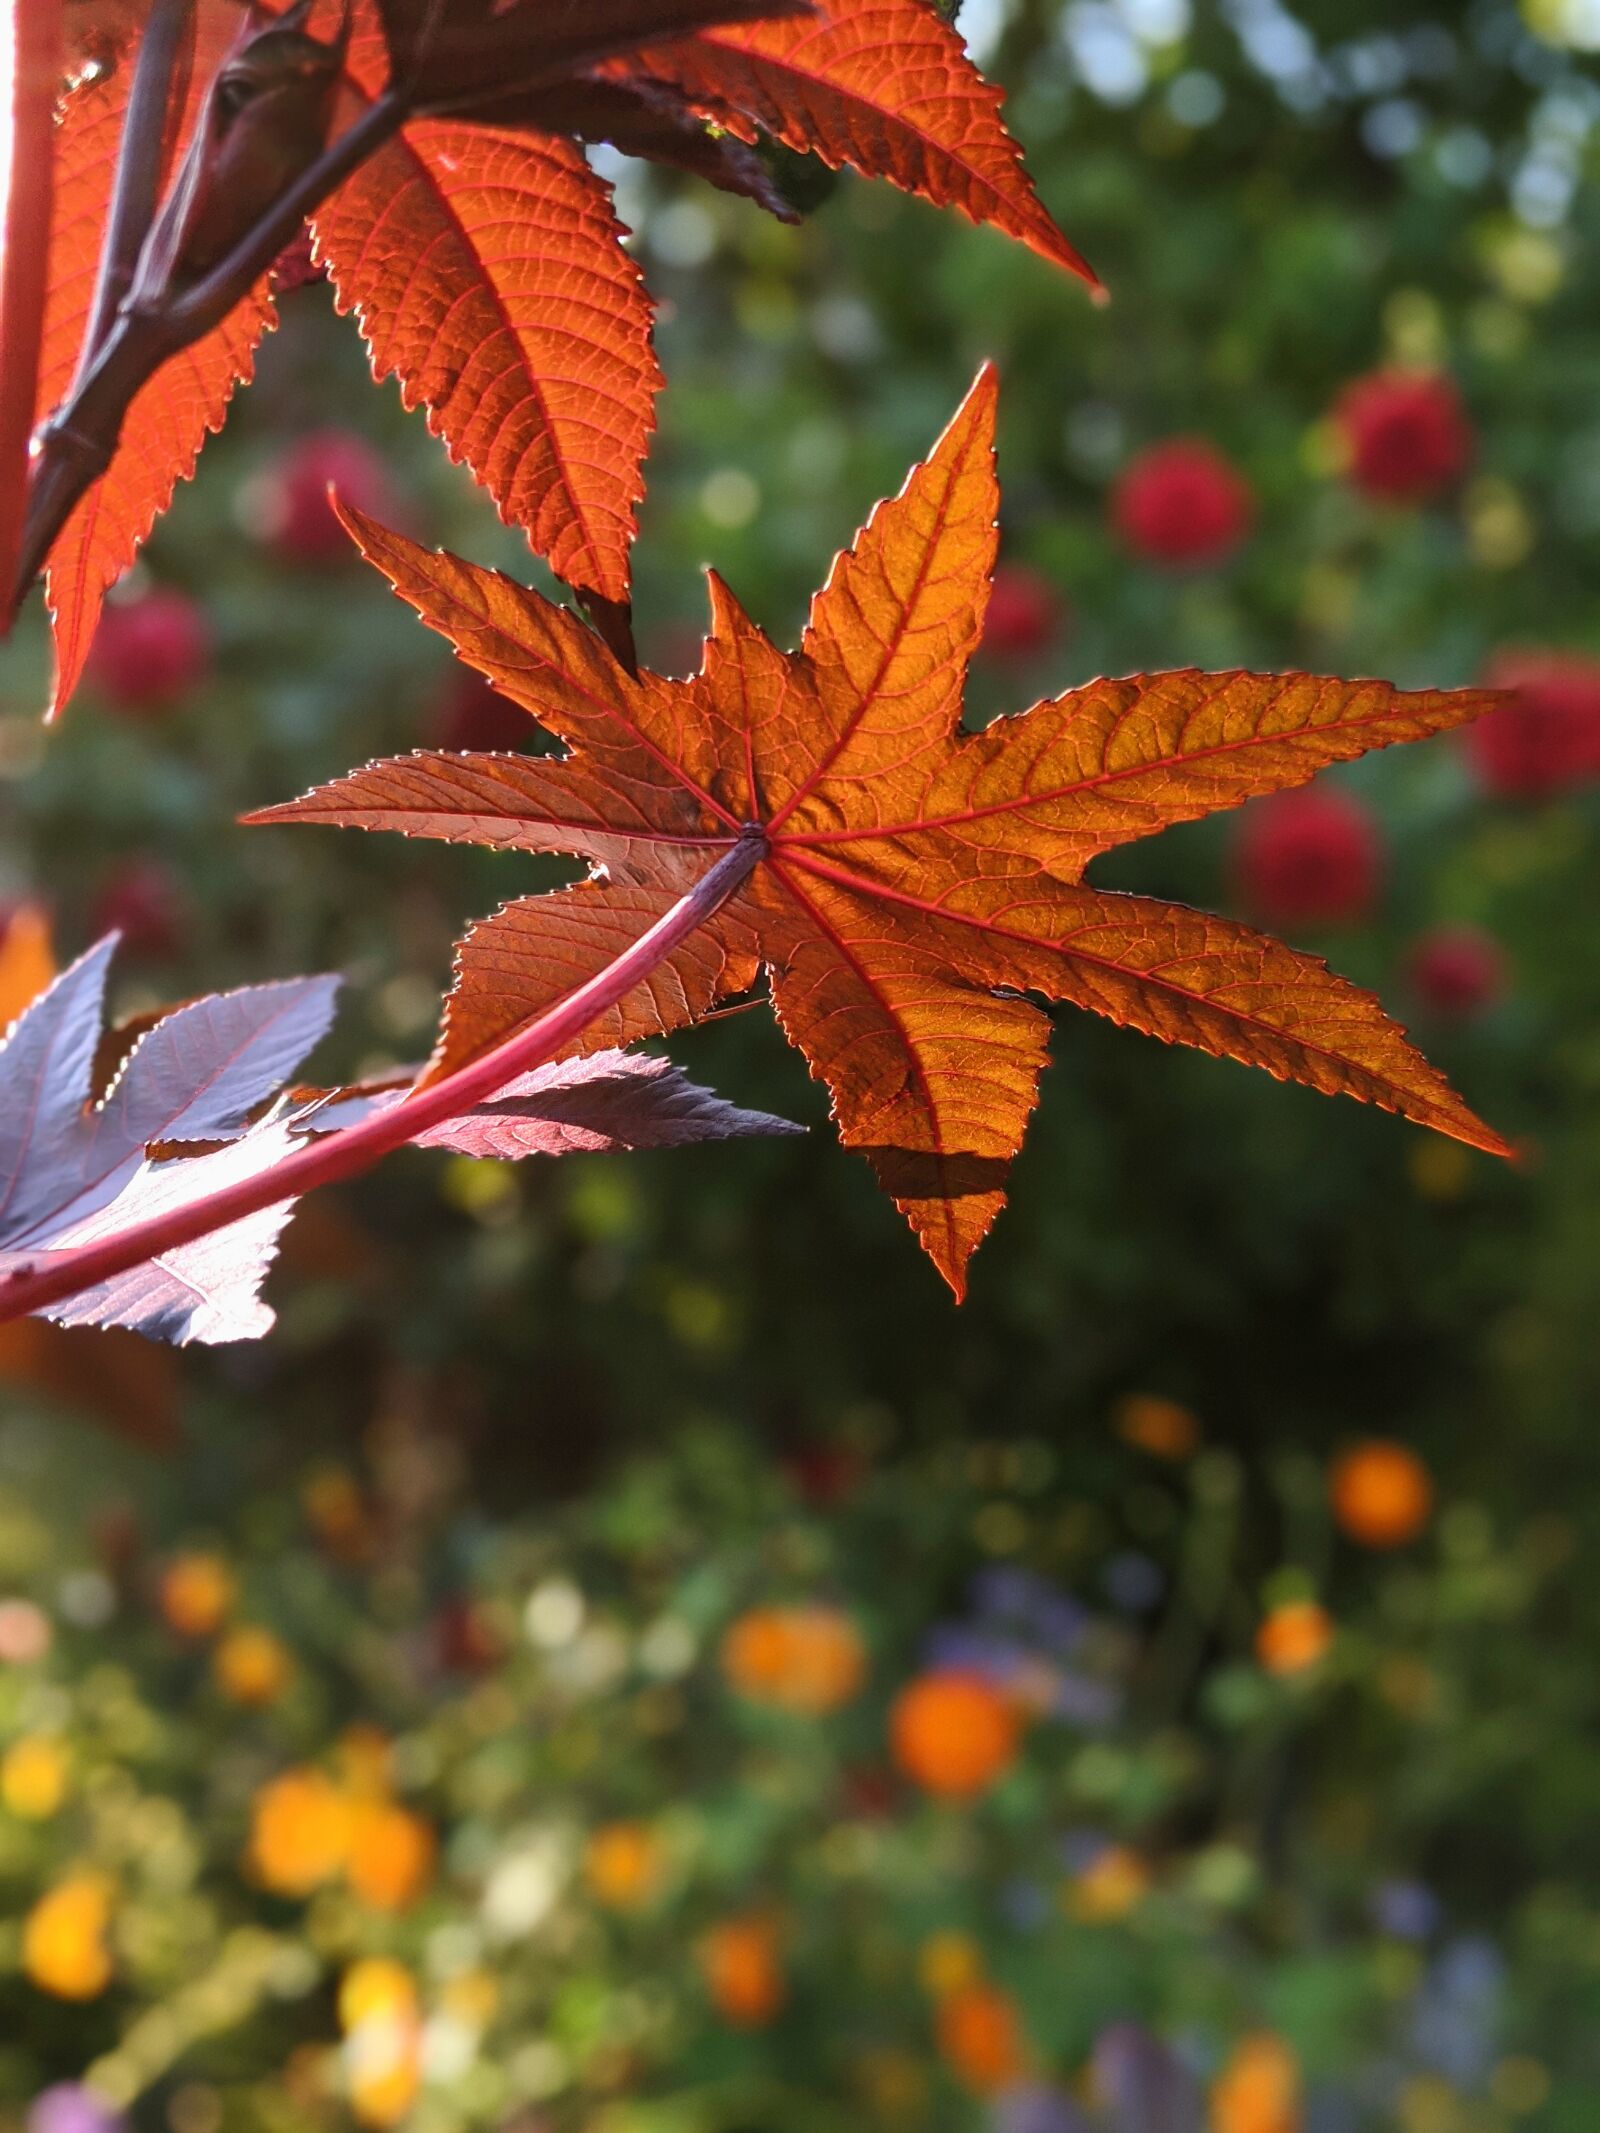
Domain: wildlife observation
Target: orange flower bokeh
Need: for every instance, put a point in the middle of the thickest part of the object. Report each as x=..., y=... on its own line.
x=808, y=1660
x=953, y=1734
x=1382, y=1494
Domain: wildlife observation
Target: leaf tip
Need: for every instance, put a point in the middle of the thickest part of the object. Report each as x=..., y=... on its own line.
x=984, y=391
x=971, y=429
x=729, y=615
x=1519, y=1154
x=361, y=528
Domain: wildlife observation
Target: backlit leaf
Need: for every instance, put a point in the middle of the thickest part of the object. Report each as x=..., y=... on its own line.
x=922, y=888
x=478, y=247
x=169, y=420
x=884, y=86
x=487, y=272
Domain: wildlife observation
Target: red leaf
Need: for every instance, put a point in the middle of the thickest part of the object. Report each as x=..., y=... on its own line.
x=480, y=251
x=514, y=966
x=883, y=85
x=169, y=420
x=918, y=883
x=487, y=272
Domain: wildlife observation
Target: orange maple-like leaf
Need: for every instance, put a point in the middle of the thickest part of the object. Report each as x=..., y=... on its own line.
x=169, y=420
x=921, y=887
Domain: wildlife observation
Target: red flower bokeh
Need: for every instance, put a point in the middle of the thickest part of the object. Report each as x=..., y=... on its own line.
x=1313, y=857
x=1456, y=971
x=1025, y=613
x=150, y=651
x=1182, y=504
x=1549, y=738
x=295, y=513
x=141, y=900
x=1406, y=434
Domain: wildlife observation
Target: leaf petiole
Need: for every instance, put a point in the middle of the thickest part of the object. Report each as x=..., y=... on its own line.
x=54, y=1276
x=141, y=158
x=78, y=443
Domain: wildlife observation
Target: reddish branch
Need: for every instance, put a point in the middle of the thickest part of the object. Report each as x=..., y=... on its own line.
x=156, y=96
x=33, y=30
x=78, y=444
x=54, y=1276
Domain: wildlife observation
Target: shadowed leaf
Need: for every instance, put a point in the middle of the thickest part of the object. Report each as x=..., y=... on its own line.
x=464, y=50
x=607, y=1103
x=641, y=118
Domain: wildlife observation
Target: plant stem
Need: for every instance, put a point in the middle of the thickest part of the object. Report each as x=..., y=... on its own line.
x=196, y=310
x=140, y=166
x=54, y=1276
x=33, y=30
x=80, y=441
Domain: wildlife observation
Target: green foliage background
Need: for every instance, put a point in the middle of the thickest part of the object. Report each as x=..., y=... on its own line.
x=600, y=1368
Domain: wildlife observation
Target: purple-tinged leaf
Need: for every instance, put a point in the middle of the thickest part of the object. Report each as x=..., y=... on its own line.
x=45, y=1062
x=197, y=1075
x=608, y=1103
x=205, y=1292
x=74, y=1171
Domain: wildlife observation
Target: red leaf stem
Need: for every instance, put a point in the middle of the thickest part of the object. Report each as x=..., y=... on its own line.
x=58, y=1275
